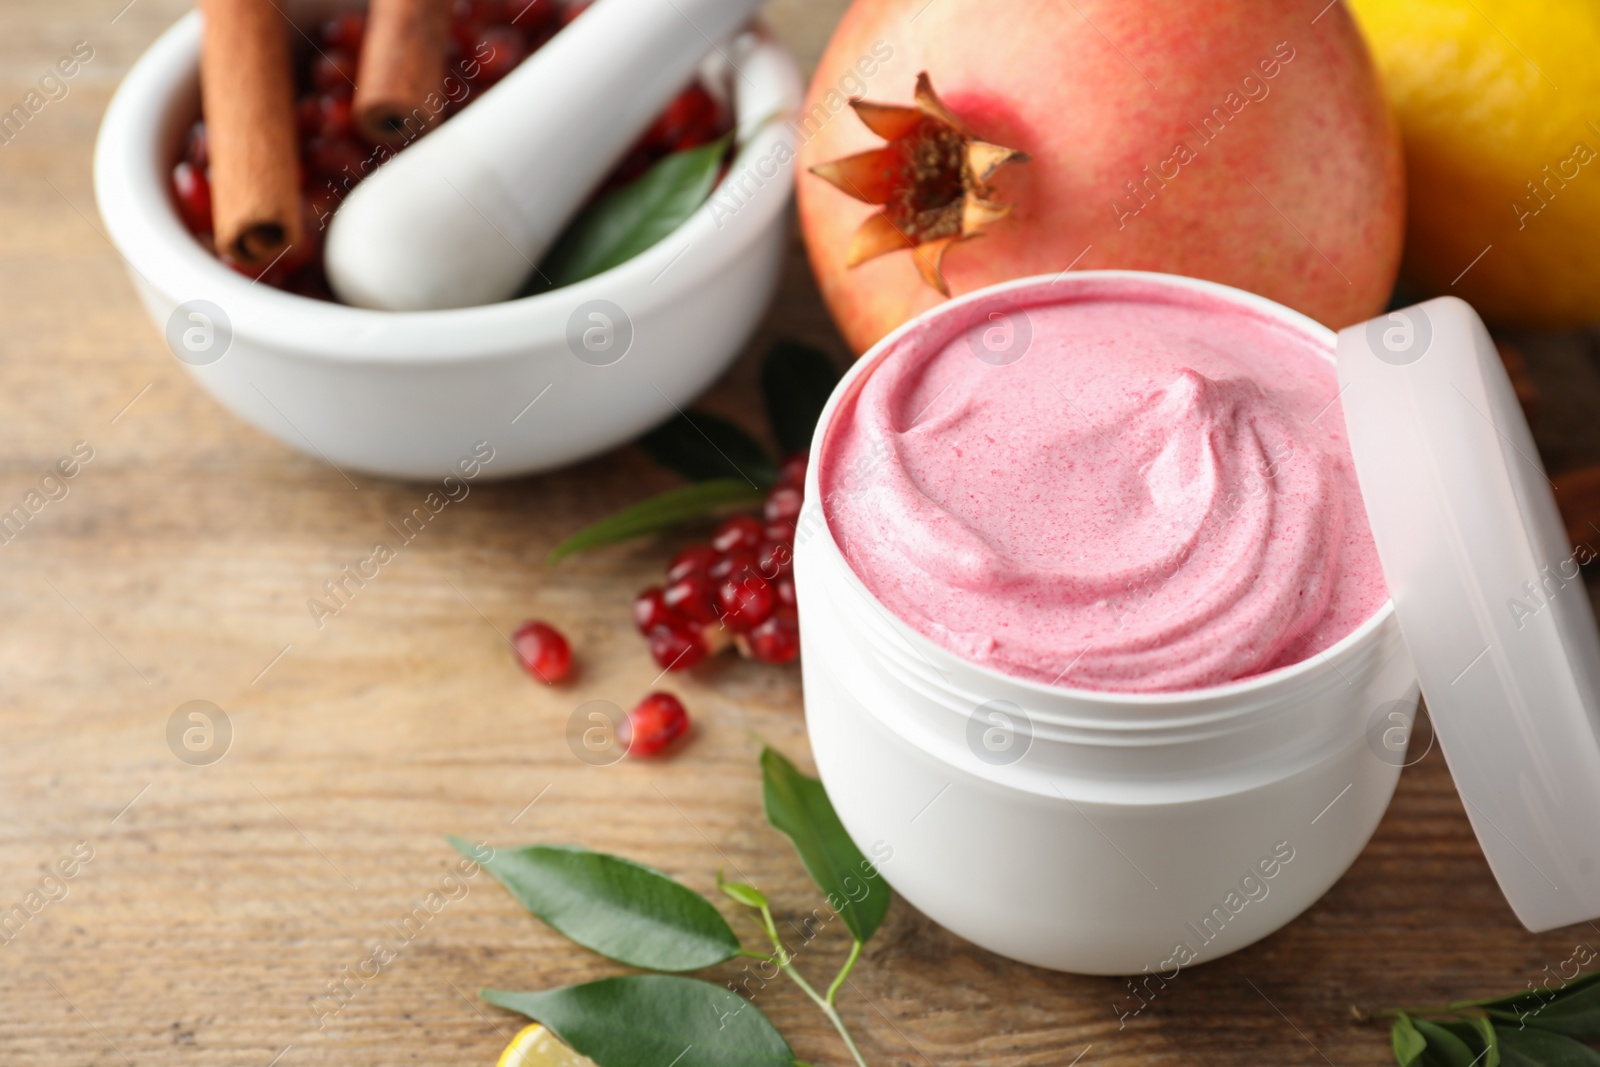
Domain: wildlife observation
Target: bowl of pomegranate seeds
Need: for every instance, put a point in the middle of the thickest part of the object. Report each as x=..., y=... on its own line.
x=604, y=342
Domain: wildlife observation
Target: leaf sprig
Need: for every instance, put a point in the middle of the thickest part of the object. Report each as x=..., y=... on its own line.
x=729, y=469
x=1534, y=1028
x=621, y=223
x=641, y=917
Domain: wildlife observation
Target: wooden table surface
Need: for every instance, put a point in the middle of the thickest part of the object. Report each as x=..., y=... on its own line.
x=221, y=901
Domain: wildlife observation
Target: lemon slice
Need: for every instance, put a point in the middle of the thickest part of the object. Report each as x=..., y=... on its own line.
x=534, y=1046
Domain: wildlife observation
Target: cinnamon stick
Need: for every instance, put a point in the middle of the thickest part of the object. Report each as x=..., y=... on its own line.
x=402, y=64
x=247, y=90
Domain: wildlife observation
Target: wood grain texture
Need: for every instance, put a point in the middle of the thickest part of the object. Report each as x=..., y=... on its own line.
x=222, y=900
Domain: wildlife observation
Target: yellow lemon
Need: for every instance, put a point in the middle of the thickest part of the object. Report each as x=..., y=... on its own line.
x=1498, y=103
x=534, y=1046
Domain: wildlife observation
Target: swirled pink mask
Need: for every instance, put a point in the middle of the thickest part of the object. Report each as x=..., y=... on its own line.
x=1150, y=491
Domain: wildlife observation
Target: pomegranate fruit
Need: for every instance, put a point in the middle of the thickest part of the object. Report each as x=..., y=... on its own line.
x=1224, y=139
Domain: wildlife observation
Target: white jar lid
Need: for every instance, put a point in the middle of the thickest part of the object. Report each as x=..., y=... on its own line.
x=1488, y=595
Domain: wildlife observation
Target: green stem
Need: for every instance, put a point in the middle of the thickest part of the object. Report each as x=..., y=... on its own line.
x=1463, y=1010
x=844, y=972
x=785, y=964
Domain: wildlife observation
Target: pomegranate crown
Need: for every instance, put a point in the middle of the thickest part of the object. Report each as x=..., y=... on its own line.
x=931, y=179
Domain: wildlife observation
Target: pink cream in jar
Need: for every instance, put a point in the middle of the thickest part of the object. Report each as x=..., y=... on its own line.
x=1131, y=488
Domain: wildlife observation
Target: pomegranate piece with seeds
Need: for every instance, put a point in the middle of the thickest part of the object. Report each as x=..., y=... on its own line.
x=657, y=721
x=775, y=558
x=775, y=641
x=741, y=531
x=783, y=504
x=738, y=589
x=650, y=610
x=696, y=559
x=542, y=651
x=693, y=597
x=745, y=599
x=727, y=565
x=793, y=471
x=677, y=646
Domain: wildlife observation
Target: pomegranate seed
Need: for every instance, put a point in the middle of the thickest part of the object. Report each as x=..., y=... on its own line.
x=193, y=192
x=695, y=559
x=676, y=647
x=337, y=158
x=775, y=558
x=334, y=116
x=782, y=504
x=345, y=31
x=657, y=721
x=307, y=118
x=779, y=531
x=320, y=206
x=746, y=599
x=650, y=610
x=741, y=531
x=478, y=12
x=690, y=109
x=533, y=16
x=543, y=652
x=334, y=69
x=737, y=560
x=309, y=281
x=196, y=148
x=692, y=597
x=296, y=255
x=793, y=471
x=784, y=587
x=498, y=51
x=777, y=640
x=539, y=35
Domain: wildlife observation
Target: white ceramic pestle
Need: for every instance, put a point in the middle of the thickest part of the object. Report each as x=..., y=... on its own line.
x=460, y=217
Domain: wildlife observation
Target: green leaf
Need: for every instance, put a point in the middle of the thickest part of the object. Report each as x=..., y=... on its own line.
x=799, y=807
x=626, y=221
x=662, y=512
x=1408, y=1044
x=1572, y=1011
x=652, y=1020
x=1444, y=1047
x=1529, y=999
x=1540, y=1048
x=1487, y=1039
x=701, y=447
x=623, y=910
x=796, y=380
x=743, y=892
x=1479, y=1037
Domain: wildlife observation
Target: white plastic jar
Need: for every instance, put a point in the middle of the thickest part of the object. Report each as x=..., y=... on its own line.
x=1088, y=831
